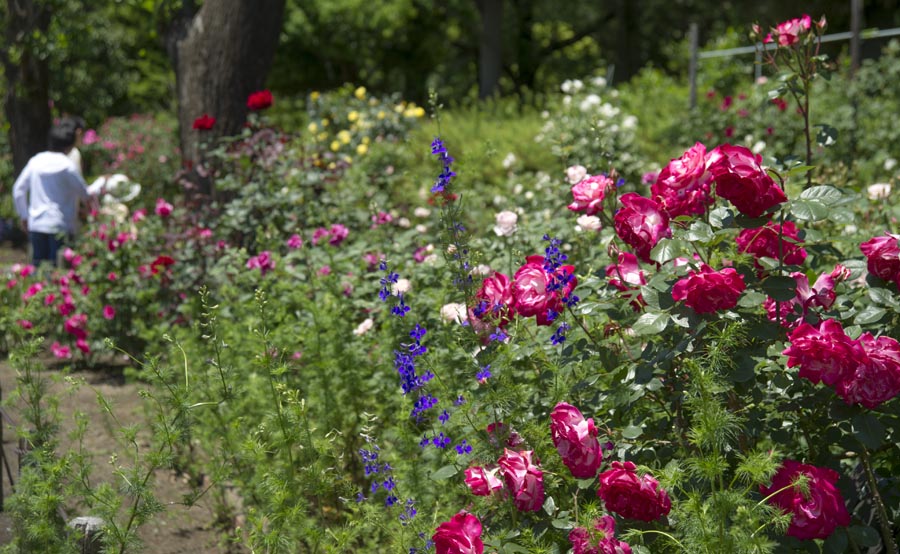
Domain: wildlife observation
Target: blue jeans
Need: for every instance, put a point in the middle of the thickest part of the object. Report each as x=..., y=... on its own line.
x=45, y=246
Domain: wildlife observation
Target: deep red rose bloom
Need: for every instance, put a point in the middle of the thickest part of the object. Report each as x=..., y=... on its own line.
x=640, y=223
x=533, y=293
x=763, y=241
x=683, y=186
x=813, y=516
x=741, y=180
x=877, y=380
x=883, y=257
x=259, y=100
x=825, y=353
x=708, y=291
x=524, y=480
x=161, y=262
x=575, y=438
x=630, y=496
x=460, y=535
x=204, y=122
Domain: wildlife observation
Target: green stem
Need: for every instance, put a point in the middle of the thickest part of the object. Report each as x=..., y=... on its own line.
x=878, y=503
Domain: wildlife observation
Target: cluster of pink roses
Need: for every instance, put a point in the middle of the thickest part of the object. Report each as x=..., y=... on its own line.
x=816, y=512
x=523, y=479
x=575, y=438
x=534, y=291
x=883, y=257
x=262, y=261
x=864, y=371
x=460, y=535
x=334, y=234
x=790, y=32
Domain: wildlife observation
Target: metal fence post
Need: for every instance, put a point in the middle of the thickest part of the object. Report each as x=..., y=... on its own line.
x=693, y=39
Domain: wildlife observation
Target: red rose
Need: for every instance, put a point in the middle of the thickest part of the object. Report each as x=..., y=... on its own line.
x=460, y=535
x=576, y=440
x=641, y=223
x=524, y=480
x=630, y=496
x=589, y=192
x=602, y=541
x=814, y=515
x=825, y=354
x=763, y=241
x=877, y=380
x=741, y=180
x=204, y=123
x=683, y=186
x=493, y=304
x=708, y=291
x=482, y=482
x=259, y=100
x=533, y=293
x=161, y=262
x=883, y=257
x=627, y=276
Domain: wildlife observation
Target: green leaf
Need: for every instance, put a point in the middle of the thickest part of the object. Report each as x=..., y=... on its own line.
x=513, y=548
x=445, y=472
x=809, y=210
x=868, y=430
x=780, y=288
x=883, y=296
x=750, y=222
x=837, y=543
x=826, y=135
x=669, y=249
x=825, y=193
x=752, y=299
x=798, y=170
x=550, y=506
x=651, y=323
x=632, y=432
x=869, y=315
x=699, y=231
x=864, y=536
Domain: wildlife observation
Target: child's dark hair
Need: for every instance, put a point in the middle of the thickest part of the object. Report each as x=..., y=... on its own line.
x=61, y=136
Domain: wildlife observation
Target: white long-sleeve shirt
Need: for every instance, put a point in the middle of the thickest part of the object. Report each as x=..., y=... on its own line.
x=47, y=193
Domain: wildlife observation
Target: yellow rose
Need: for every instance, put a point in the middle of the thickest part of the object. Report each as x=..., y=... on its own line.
x=360, y=93
x=366, y=140
x=332, y=165
x=344, y=136
x=381, y=114
x=419, y=111
x=325, y=123
x=352, y=116
x=312, y=127
x=362, y=149
x=335, y=145
x=322, y=136
x=314, y=95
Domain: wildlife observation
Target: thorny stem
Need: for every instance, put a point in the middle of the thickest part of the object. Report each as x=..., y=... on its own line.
x=878, y=503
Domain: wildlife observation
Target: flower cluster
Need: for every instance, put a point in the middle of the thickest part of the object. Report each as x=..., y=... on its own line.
x=683, y=186
x=708, y=291
x=588, y=193
x=601, y=541
x=447, y=174
x=522, y=479
x=816, y=508
x=864, y=371
x=382, y=475
x=262, y=261
x=460, y=535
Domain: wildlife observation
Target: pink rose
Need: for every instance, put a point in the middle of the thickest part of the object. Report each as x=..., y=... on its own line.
x=630, y=496
x=109, y=312
x=741, y=180
x=338, y=233
x=76, y=326
x=627, y=276
x=295, y=242
x=708, y=291
x=25, y=324
x=814, y=515
x=763, y=241
x=263, y=262
x=533, y=293
x=683, y=186
x=601, y=541
x=501, y=433
x=575, y=438
x=61, y=351
x=524, y=480
x=163, y=208
x=82, y=344
x=825, y=353
x=820, y=295
x=493, y=304
x=319, y=234
x=460, y=535
x=482, y=482
x=877, y=380
x=788, y=32
x=589, y=192
x=883, y=257
x=640, y=223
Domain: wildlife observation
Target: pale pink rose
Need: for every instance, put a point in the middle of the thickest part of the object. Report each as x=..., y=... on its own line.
x=588, y=194
x=506, y=223
x=482, y=482
x=575, y=438
x=532, y=289
x=364, y=327
x=524, y=480
x=589, y=222
x=575, y=173
x=789, y=32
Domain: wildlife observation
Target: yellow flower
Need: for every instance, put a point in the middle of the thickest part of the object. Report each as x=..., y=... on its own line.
x=335, y=145
x=325, y=123
x=373, y=101
x=314, y=95
x=409, y=112
x=332, y=165
x=344, y=136
x=312, y=127
x=399, y=107
x=381, y=114
x=419, y=111
x=322, y=136
x=352, y=116
x=347, y=159
x=366, y=140
x=360, y=93
x=362, y=149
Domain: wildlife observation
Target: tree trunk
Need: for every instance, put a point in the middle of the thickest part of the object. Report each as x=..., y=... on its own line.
x=490, y=47
x=528, y=56
x=628, y=40
x=221, y=53
x=27, y=102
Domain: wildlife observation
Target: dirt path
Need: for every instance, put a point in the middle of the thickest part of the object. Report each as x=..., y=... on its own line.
x=177, y=530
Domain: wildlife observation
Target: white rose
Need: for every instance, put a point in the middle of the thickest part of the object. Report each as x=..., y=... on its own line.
x=421, y=212
x=453, y=312
x=402, y=286
x=890, y=164
x=589, y=223
x=879, y=191
x=506, y=223
x=575, y=173
x=363, y=327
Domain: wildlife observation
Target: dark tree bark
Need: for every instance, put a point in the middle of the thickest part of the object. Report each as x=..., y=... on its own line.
x=27, y=102
x=490, y=47
x=221, y=53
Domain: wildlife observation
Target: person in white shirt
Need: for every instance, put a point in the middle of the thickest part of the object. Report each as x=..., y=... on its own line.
x=74, y=154
x=47, y=193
